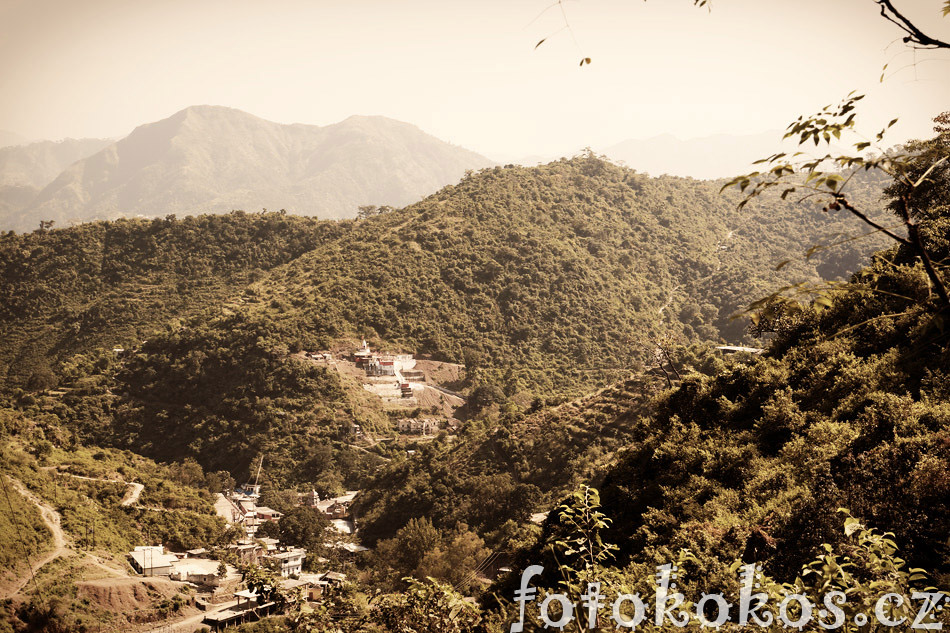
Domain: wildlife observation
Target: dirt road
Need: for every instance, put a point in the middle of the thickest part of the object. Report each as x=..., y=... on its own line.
x=132, y=494
x=53, y=521
x=191, y=623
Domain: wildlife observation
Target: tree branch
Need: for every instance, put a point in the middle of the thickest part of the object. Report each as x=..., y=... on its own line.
x=913, y=231
x=914, y=35
x=841, y=200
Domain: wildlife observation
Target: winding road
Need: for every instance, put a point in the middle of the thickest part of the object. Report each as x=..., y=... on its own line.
x=61, y=546
x=53, y=521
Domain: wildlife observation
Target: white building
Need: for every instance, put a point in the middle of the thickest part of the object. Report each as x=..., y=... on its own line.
x=151, y=560
x=290, y=560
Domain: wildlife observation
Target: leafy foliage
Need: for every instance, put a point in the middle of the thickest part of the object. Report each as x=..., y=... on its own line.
x=107, y=284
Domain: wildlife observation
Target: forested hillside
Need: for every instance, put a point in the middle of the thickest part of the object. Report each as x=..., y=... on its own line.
x=549, y=277
x=84, y=495
x=849, y=408
x=497, y=473
x=103, y=285
x=556, y=277
x=542, y=281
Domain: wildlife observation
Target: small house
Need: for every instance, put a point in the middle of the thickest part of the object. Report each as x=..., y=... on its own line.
x=152, y=560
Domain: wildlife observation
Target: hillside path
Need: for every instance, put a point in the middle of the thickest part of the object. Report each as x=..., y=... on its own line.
x=669, y=299
x=53, y=521
x=132, y=494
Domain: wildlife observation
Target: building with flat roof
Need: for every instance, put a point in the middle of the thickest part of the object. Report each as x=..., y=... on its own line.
x=152, y=560
x=289, y=561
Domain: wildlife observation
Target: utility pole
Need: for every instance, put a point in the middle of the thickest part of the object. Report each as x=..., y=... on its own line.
x=258, y=476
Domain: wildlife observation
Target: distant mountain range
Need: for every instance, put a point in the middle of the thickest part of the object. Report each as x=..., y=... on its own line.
x=26, y=169
x=216, y=159
x=12, y=138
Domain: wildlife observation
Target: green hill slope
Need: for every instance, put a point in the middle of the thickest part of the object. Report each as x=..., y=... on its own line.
x=102, y=285
x=555, y=277
x=546, y=280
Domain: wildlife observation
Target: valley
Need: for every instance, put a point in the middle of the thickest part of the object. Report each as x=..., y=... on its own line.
x=438, y=380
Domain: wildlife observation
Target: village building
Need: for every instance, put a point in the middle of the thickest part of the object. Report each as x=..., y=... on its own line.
x=338, y=507
x=247, y=551
x=419, y=426
x=248, y=490
x=362, y=355
x=735, y=349
x=198, y=571
x=152, y=560
x=337, y=510
x=241, y=509
x=263, y=513
x=269, y=544
x=289, y=562
x=248, y=608
x=310, y=499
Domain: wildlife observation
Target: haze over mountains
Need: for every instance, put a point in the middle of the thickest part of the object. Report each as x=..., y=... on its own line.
x=26, y=169
x=703, y=158
x=213, y=159
x=708, y=157
x=216, y=159
x=11, y=138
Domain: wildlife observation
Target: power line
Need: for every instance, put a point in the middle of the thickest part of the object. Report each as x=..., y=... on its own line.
x=26, y=553
x=479, y=568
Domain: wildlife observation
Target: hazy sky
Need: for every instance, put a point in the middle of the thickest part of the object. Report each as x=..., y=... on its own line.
x=465, y=71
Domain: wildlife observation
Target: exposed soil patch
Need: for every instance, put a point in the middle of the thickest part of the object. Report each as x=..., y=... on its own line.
x=138, y=598
x=448, y=375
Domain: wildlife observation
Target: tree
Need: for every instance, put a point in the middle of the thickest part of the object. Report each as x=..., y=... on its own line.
x=920, y=180
x=220, y=481
x=266, y=584
x=366, y=211
x=269, y=529
x=281, y=500
x=303, y=527
x=428, y=606
x=914, y=37
x=409, y=546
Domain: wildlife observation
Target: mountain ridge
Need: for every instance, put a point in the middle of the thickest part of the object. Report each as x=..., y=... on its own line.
x=215, y=159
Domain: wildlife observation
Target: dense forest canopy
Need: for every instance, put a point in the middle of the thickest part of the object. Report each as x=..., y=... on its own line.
x=542, y=281
x=555, y=278
x=110, y=284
